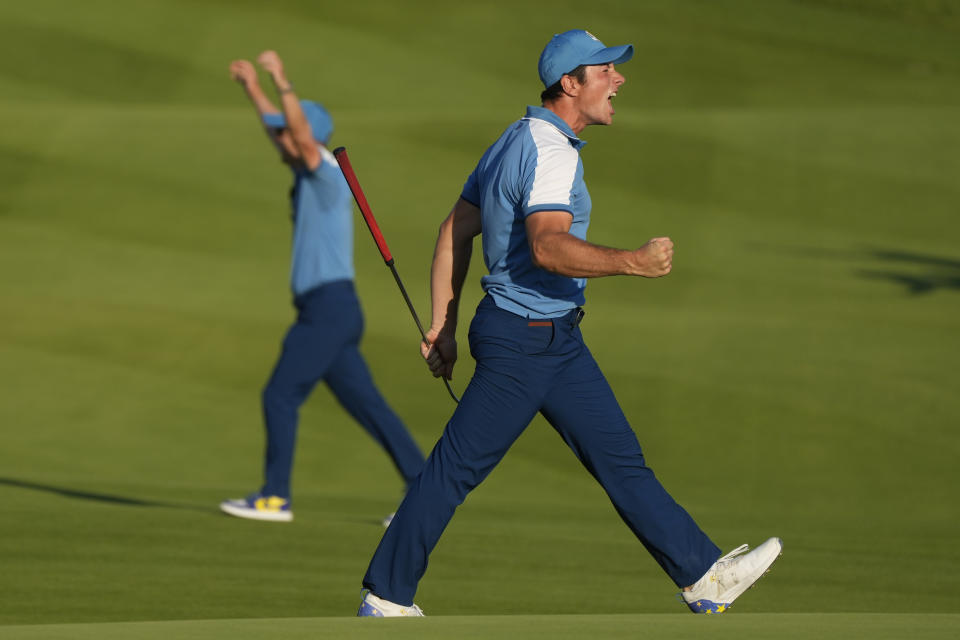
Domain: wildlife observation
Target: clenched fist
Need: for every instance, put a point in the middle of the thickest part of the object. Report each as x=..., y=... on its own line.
x=440, y=354
x=655, y=258
x=271, y=63
x=243, y=72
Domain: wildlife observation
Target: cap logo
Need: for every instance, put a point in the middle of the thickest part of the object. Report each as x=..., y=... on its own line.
x=592, y=36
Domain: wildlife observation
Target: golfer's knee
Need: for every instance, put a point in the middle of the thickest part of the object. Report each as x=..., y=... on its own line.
x=278, y=397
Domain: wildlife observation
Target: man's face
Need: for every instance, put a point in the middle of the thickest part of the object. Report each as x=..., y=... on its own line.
x=288, y=148
x=596, y=93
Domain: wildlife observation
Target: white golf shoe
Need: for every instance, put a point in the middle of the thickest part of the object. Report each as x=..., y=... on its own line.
x=730, y=576
x=375, y=607
x=259, y=507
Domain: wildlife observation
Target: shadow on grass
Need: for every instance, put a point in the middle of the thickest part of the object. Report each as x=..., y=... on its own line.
x=102, y=497
x=935, y=272
x=918, y=273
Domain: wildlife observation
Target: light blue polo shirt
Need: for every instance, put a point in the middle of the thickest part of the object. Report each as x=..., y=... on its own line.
x=534, y=166
x=322, y=226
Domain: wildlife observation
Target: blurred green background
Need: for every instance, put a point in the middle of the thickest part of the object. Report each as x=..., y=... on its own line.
x=796, y=374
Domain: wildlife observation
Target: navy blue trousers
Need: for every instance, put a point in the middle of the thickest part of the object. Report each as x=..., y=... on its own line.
x=323, y=344
x=524, y=367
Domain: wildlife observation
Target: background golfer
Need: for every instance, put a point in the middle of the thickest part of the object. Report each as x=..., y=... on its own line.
x=323, y=343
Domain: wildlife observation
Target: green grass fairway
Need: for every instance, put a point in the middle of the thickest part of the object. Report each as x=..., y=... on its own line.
x=795, y=375
x=787, y=626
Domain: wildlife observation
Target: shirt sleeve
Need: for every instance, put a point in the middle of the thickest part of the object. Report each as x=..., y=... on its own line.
x=551, y=186
x=328, y=172
x=471, y=190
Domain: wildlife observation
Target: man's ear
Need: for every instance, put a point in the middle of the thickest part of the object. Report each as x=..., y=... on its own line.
x=570, y=85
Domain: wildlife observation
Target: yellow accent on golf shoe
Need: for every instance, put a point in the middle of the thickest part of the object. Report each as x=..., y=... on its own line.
x=270, y=503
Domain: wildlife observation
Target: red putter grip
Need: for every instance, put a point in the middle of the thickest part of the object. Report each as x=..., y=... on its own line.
x=340, y=153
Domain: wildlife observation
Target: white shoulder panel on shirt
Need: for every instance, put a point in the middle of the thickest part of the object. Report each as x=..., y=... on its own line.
x=327, y=156
x=556, y=165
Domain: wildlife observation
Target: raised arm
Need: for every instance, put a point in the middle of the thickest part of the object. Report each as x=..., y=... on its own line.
x=451, y=260
x=297, y=125
x=554, y=249
x=244, y=73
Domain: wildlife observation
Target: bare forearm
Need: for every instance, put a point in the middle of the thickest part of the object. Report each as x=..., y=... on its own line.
x=296, y=121
x=243, y=72
x=451, y=261
x=259, y=99
x=554, y=249
x=263, y=106
x=297, y=141
x=570, y=256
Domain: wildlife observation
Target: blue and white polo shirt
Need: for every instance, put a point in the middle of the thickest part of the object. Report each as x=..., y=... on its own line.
x=322, y=226
x=534, y=166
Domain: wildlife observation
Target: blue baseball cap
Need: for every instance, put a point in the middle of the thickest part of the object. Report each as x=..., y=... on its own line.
x=567, y=51
x=321, y=124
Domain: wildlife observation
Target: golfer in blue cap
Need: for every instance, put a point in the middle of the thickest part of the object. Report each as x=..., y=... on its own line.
x=528, y=200
x=323, y=342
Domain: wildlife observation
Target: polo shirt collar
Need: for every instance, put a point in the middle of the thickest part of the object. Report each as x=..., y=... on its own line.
x=542, y=113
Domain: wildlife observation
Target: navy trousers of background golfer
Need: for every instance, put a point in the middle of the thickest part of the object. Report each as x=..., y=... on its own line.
x=323, y=344
x=525, y=366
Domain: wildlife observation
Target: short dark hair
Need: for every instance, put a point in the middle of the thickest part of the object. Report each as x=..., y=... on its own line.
x=555, y=90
